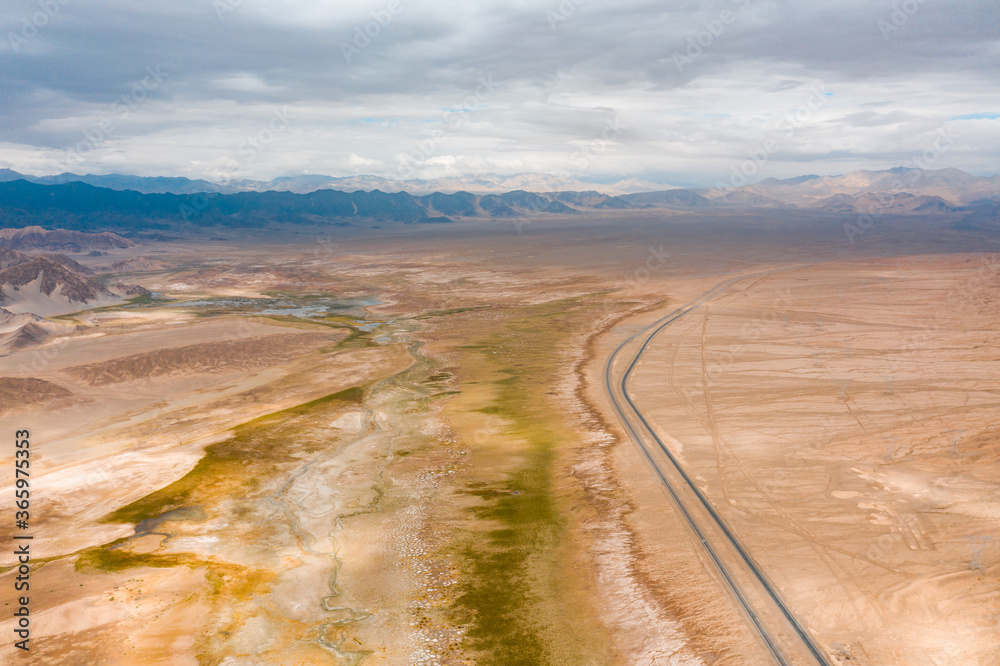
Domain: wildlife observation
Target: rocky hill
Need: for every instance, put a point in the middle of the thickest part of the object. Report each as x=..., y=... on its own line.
x=39, y=238
x=43, y=277
x=25, y=329
x=10, y=258
x=43, y=285
x=137, y=265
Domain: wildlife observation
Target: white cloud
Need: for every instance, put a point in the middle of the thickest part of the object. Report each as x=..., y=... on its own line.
x=356, y=160
x=551, y=96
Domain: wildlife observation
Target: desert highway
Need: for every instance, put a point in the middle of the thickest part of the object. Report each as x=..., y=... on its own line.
x=781, y=632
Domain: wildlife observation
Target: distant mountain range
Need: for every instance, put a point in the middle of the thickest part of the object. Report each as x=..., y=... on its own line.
x=81, y=206
x=953, y=186
x=914, y=188
x=84, y=207
x=40, y=219
x=480, y=184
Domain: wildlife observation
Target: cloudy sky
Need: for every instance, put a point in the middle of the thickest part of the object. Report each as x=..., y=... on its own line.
x=677, y=92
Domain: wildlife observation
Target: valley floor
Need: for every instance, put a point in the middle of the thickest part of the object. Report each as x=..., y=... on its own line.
x=352, y=450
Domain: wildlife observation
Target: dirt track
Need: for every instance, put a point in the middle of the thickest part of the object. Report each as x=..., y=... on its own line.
x=818, y=410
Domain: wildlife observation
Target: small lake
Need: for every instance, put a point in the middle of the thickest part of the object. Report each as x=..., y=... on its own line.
x=308, y=307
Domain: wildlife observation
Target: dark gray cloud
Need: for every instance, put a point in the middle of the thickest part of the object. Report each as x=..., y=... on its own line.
x=692, y=86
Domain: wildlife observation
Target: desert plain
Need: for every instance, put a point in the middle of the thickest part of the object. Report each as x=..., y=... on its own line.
x=394, y=445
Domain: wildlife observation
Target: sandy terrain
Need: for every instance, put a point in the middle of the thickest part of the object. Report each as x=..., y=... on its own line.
x=393, y=446
x=840, y=417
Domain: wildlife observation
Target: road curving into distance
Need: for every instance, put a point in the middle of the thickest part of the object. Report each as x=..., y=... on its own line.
x=782, y=634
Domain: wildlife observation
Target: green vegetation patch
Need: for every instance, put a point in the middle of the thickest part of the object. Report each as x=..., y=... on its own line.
x=234, y=466
x=111, y=558
x=514, y=585
x=444, y=313
x=503, y=592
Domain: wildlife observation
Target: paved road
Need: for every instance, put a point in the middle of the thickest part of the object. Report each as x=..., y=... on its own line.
x=624, y=405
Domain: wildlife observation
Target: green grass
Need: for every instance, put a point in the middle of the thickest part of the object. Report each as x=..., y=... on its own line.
x=109, y=558
x=310, y=297
x=502, y=593
x=232, y=467
x=351, y=395
x=439, y=377
x=444, y=313
x=513, y=582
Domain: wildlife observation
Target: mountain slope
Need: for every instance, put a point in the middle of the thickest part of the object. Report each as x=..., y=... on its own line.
x=953, y=186
x=81, y=206
x=667, y=198
x=38, y=238
x=45, y=287
x=10, y=258
x=20, y=330
x=137, y=265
